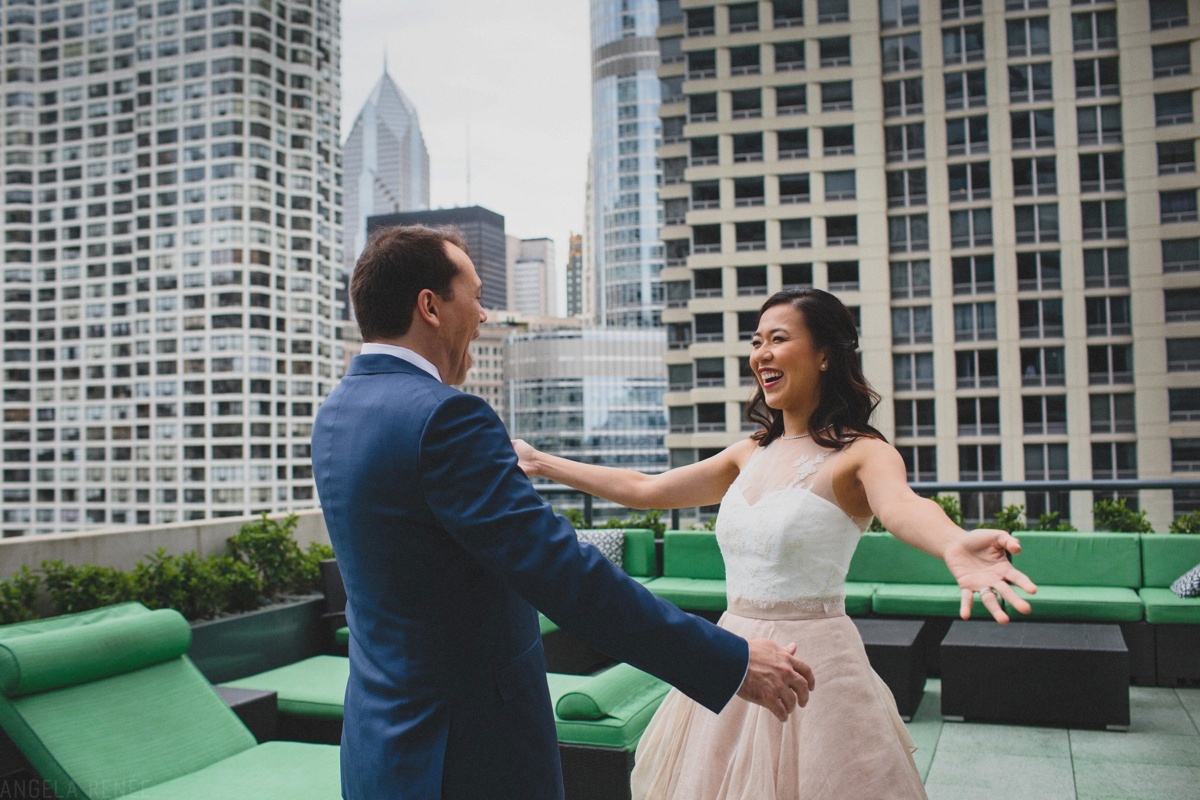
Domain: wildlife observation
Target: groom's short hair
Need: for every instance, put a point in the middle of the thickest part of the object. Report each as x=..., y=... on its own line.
x=397, y=264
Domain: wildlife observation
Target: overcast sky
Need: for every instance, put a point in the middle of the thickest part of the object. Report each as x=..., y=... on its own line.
x=517, y=73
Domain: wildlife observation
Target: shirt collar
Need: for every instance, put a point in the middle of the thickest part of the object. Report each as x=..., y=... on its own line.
x=402, y=353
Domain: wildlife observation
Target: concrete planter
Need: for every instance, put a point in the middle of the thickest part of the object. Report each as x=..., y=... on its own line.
x=244, y=644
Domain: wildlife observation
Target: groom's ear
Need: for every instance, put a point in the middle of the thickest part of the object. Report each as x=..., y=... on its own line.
x=427, y=309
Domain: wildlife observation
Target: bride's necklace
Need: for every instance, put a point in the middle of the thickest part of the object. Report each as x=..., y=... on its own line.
x=797, y=436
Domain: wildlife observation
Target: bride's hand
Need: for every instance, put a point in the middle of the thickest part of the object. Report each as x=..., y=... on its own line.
x=979, y=562
x=526, y=457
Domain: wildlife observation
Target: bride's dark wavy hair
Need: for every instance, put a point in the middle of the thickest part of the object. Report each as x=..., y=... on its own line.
x=847, y=399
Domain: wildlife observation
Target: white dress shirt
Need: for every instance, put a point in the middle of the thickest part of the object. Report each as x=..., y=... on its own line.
x=402, y=353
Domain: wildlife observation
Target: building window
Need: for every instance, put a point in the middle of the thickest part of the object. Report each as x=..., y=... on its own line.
x=700, y=21
x=1114, y=460
x=703, y=151
x=830, y=11
x=1046, y=462
x=912, y=372
x=1184, y=404
x=840, y=185
x=1168, y=14
x=841, y=232
x=747, y=147
x=796, y=276
x=751, y=235
x=1183, y=355
x=701, y=64
x=966, y=90
x=744, y=61
x=751, y=281
x=1108, y=315
x=1182, y=305
x=921, y=462
x=838, y=140
x=1039, y=271
x=1103, y=219
x=1176, y=157
x=1030, y=83
x=1101, y=172
x=961, y=9
x=789, y=13
x=974, y=274
x=1106, y=268
x=746, y=103
x=792, y=143
x=1112, y=413
x=905, y=142
x=1094, y=30
x=1181, y=255
x=746, y=192
x=901, y=53
x=1043, y=367
x=1113, y=363
x=1097, y=77
x=975, y=322
x=707, y=283
x=1041, y=319
x=1185, y=455
x=979, y=462
x=837, y=96
x=908, y=234
x=1173, y=108
x=1032, y=130
x=789, y=56
x=966, y=136
x=962, y=45
x=1178, y=205
x=791, y=100
x=899, y=13
x=912, y=325
x=794, y=233
x=1028, y=37
x=835, y=51
x=975, y=369
x=971, y=228
x=903, y=98
x=978, y=416
x=910, y=279
x=743, y=17
x=915, y=418
x=971, y=181
x=702, y=107
x=1044, y=414
x=906, y=188
x=796, y=188
x=1172, y=59
x=1036, y=224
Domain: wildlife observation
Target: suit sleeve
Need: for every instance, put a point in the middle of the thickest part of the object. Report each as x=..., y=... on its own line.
x=473, y=486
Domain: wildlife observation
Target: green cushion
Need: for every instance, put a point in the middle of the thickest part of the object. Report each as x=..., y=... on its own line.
x=546, y=624
x=94, y=647
x=1166, y=556
x=640, y=558
x=1107, y=603
x=692, y=554
x=1080, y=559
x=605, y=694
x=1163, y=607
x=882, y=558
x=314, y=687
x=342, y=636
x=922, y=600
x=273, y=770
x=693, y=594
x=100, y=740
x=626, y=717
x=858, y=598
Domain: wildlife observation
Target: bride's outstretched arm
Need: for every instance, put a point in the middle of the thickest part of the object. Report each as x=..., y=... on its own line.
x=701, y=484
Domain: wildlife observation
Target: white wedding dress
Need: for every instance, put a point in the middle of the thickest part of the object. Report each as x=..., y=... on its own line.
x=787, y=546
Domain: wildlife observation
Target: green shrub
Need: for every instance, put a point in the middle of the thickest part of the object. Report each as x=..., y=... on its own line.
x=238, y=585
x=1009, y=518
x=267, y=546
x=950, y=505
x=575, y=517
x=83, y=588
x=18, y=596
x=1188, y=523
x=709, y=524
x=198, y=588
x=1115, y=516
x=876, y=526
x=1050, y=522
x=649, y=519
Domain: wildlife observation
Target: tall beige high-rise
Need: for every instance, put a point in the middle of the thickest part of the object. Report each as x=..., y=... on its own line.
x=1005, y=193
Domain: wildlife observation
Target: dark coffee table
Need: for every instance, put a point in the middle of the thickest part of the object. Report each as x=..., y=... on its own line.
x=257, y=709
x=1036, y=673
x=896, y=652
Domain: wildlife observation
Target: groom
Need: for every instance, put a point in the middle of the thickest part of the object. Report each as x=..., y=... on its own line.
x=447, y=550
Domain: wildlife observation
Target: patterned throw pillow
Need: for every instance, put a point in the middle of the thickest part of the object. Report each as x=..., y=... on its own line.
x=609, y=541
x=1188, y=584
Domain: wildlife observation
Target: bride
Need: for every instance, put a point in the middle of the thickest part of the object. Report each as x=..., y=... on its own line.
x=795, y=498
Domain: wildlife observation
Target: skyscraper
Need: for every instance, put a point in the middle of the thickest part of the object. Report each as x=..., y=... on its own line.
x=1005, y=195
x=171, y=209
x=574, y=275
x=385, y=161
x=626, y=256
x=532, y=279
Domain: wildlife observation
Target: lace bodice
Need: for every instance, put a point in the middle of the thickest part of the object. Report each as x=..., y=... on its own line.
x=786, y=543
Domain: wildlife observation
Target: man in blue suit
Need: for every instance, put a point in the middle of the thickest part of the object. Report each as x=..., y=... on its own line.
x=447, y=550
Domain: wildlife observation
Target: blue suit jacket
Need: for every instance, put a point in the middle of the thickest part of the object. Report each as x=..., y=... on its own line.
x=446, y=550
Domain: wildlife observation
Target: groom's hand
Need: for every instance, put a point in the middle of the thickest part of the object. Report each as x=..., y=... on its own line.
x=776, y=679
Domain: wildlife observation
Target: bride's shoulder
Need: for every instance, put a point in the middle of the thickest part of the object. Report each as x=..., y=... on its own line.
x=865, y=447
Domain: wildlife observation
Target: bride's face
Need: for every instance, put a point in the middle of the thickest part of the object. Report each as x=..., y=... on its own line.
x=785, y=360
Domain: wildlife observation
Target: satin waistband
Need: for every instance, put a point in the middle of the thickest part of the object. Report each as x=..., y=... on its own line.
x=802, y=608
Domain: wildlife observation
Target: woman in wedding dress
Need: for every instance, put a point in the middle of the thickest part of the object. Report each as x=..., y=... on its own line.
x=795, y=498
